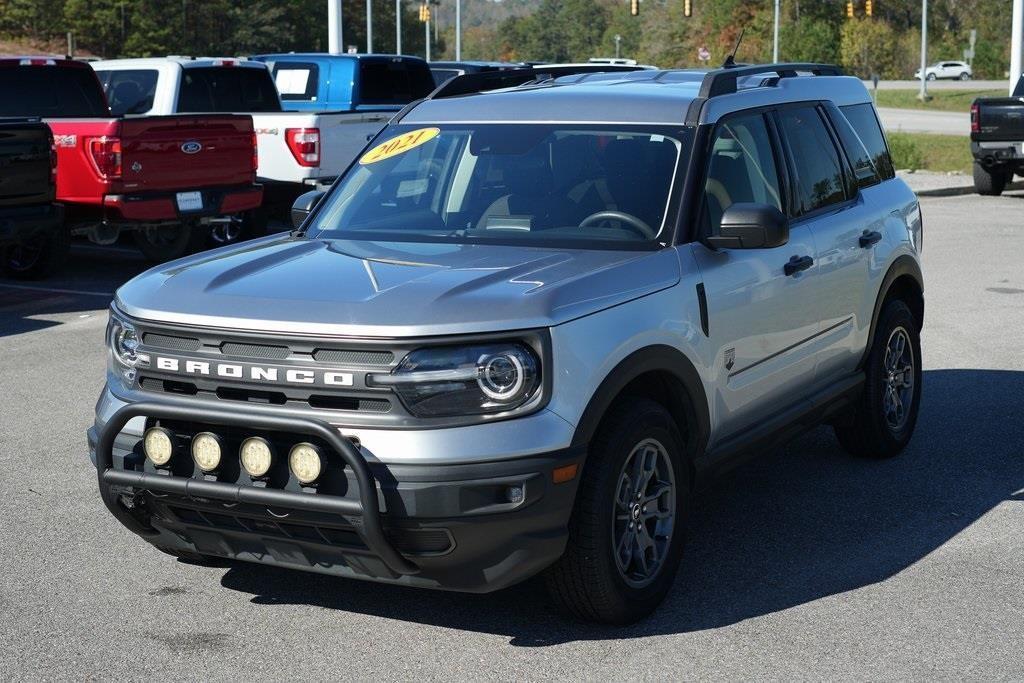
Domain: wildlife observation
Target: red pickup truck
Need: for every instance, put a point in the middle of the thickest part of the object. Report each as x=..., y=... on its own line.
x=166, y=178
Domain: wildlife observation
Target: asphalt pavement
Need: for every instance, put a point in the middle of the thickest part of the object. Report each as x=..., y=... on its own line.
x=803, y=564
x=925, y=121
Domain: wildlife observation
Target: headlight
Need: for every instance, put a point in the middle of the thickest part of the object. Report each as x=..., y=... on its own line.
x=123, y=342
x=465, y=380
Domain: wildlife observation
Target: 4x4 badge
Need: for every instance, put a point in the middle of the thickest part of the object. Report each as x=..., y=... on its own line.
x=730, y=358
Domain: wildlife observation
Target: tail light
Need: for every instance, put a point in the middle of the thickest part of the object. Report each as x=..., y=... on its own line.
x=53, y=161
x=106, y=156
x=255, y=153
x=975, y=119
x=304, y=144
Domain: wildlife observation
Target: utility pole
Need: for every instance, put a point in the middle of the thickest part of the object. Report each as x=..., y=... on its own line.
x=334, y=32
x=1017, y=27
x=398, y=27
x=923, y=95
x=427, y=37
x=369, y=27
x=458, y=30
x=618, y=39
x=775, y=39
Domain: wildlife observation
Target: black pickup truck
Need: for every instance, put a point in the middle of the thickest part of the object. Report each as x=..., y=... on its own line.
x=997, y=140
x=32, y=239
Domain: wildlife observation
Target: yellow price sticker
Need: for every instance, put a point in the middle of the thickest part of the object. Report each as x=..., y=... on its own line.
x=399, y=145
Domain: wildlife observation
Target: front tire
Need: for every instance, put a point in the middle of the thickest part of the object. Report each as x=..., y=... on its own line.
x=883, y=420
x=626, y=530
x=989, y=182
x=932, y=77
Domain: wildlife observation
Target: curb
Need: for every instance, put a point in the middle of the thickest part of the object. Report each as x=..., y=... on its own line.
x=959, y=191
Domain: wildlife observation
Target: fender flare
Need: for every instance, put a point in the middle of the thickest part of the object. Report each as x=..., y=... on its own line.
x=658, y=358
x=904, y=265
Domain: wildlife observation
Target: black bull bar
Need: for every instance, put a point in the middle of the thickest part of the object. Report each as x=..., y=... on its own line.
x=371, y=531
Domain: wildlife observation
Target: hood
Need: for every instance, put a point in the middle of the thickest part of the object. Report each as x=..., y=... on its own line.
x=393, y=289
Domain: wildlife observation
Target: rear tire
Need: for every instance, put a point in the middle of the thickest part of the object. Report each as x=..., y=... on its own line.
x=165, y=243
x=965, y=76
x=883, y=420
x=37, y=256
x=626, y=530
x=989, y=182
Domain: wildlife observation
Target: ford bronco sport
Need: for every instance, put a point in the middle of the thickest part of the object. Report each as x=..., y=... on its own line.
x=531, y=317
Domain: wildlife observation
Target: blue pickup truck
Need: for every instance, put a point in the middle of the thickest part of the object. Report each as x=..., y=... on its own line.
x=313, y=81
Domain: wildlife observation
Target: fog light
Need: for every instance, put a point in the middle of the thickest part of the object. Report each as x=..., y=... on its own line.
x=305, y=462
x=158, y=443
x=256, y=456
x=206, y=451
x=514, y=494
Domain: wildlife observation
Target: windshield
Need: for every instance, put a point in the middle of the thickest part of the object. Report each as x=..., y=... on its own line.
x=525, y=184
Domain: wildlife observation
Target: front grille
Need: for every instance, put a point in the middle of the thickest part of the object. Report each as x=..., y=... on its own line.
x=163, y=341
x=254, y=351
x=354, y=357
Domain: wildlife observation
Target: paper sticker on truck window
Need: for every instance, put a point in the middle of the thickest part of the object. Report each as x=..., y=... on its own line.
x=399, y=145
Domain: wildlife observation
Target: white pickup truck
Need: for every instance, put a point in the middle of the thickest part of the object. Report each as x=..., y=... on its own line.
x=298, y=150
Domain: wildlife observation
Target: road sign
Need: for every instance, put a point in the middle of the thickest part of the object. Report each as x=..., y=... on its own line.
x=703, y=54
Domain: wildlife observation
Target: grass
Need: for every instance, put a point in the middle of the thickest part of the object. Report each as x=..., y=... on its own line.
x=929, y=152
x=942, y=100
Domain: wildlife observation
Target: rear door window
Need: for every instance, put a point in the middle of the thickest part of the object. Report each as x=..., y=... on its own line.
x=865, y=124
x=129, y=91
x=393, y=82
x=860, y=159
x=51, y=92
x=819, y=178
x=297, y=81
x=227, y=89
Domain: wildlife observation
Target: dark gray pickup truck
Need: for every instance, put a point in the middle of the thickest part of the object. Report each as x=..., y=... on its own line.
x=32, y=239
x=997, y=140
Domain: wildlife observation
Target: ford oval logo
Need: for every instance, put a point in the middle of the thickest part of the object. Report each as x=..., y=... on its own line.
x=191, y=147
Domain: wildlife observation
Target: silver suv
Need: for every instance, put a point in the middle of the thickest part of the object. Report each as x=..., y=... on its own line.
x=519, y=331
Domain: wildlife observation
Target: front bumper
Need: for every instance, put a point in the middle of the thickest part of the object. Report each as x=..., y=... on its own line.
x=162, y=206
x=451, y=527
x=24, y=222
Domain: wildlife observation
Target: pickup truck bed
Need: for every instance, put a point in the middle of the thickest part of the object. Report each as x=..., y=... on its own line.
x=157, y=176
x=997, y=140
x=30, y=220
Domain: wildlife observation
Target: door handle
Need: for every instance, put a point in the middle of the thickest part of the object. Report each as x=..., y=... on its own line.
x=869, y=238
x=798, y=263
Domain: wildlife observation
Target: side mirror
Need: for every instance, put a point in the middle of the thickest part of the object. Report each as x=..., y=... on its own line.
x=303, y=205
x=751, y=226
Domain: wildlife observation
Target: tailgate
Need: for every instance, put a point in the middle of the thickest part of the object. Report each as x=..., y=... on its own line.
x=1000, y=119
x=25, y=163
x=163, y=153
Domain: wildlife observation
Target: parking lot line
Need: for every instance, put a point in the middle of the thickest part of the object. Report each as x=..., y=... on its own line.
x=57, y=290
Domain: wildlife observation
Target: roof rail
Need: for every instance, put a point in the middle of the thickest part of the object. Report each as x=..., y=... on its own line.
x=723, y=81
x=468, y=84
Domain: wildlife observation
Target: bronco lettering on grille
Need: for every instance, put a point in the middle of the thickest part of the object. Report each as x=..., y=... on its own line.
x=255, y=373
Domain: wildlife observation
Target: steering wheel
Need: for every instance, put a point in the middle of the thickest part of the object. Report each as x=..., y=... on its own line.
x=629, y=219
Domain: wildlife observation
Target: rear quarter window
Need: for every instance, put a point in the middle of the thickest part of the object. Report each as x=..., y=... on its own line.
x=864, y=122
x=393, y=82
x=51, y=92
x=129, y=91
x=297, y=81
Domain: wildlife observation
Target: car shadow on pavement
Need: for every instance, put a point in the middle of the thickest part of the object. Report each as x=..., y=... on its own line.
x=802, y=524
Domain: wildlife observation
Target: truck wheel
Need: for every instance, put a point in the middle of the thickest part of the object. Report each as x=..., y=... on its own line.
x=167, y=242
x=990, y=182
x=37, y=256
x=626, y=529
x=883, y=420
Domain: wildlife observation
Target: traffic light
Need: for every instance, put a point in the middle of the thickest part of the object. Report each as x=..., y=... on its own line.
x=867, y=7
x=634, y=7
x=687, y=8
x=849, y=10
x=424, y=12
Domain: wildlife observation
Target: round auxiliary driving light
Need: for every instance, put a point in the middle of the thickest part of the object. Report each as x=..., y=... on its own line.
x=158, y=443
x=256, y=456
x=206, y=451
x=305, y=462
